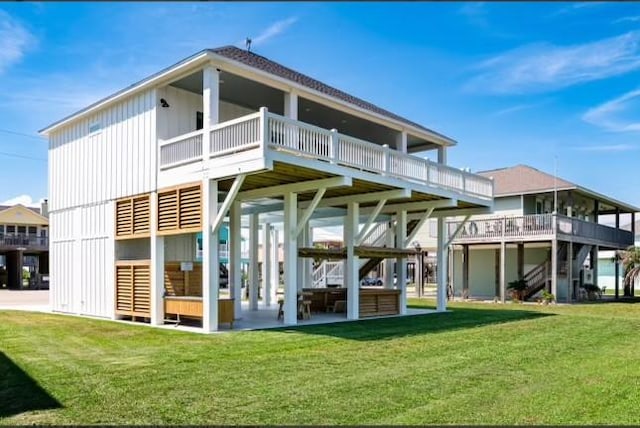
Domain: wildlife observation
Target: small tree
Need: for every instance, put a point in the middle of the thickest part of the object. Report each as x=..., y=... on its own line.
x=518, y=287
x=631, y=265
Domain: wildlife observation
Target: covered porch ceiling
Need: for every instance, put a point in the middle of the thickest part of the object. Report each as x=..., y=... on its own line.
x=250, y=94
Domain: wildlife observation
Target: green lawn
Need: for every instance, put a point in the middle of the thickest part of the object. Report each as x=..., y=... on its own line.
x=478, y=364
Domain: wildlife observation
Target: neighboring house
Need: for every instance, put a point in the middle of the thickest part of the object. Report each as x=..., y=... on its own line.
x=24, y=246
x=524, y=238
x=227, y=133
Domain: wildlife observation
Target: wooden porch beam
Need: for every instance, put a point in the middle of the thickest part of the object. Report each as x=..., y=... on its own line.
x=300, y=187
x=228, y=200
x=367, y=229
x=306, y=215
x=362, y=198
x=458, y=229
x=417, y=206
x=415, y=230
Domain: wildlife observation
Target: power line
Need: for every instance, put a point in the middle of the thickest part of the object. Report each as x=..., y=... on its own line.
x=15, y=155
x=22, y=134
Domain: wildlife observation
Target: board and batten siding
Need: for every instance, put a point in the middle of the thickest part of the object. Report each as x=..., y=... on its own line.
x=82, y=260
x=116, y=160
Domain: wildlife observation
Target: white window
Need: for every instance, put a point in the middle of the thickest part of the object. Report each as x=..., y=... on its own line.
x=94, y=127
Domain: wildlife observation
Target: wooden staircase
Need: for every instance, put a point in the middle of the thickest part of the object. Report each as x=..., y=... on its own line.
x=373, y=262
x=537, y=279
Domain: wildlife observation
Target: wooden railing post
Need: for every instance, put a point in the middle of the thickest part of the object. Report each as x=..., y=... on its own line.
x=504, y=226
x=385, y=159
x=333, y=147
x=264, y=128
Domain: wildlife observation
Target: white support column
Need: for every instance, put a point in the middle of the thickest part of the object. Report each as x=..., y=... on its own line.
x=210, y=257
x=401, y=142
x=594, y=263
x=300, y=237
x=401, y=262
x=569, y=270
x=442, y=268
x=389, y=263
x=210, y=104
x=308, y=261
x=503, y=285
x=266, y=264
x=157, y=266
x=290, y=259
x=291, y=105
x=235, y=258
x=554, y=266
x=275, y=260
x=352, y=262
x=442, y=155
x=254, y=277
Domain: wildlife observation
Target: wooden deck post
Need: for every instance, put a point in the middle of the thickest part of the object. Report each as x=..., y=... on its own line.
x=157, y=265
x=503, y=262
x=210, y=256
x=235, y=258
x=290, y=258
x=266, y=264
x=352, y=262
x=442, y=269
x=401, y=262
x=520, y=260
x=554, y=265
x=275, y=262
x=569, y=271
x=389, y=263
x=254, y=277
x=465, y=270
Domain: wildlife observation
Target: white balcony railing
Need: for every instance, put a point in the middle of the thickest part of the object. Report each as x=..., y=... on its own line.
x=536, y=225
x=268, y=131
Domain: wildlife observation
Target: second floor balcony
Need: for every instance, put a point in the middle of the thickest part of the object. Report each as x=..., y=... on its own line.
x=23, y=243
x=539, y=227
x=257, y=135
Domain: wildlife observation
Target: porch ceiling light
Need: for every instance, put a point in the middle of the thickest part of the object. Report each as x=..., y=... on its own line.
x=164, y=103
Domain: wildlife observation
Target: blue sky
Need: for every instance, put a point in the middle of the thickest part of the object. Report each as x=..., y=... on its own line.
x=511, y=82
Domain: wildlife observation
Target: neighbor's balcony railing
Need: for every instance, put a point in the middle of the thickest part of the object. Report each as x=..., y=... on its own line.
x=268, y=131
x=536, y=225
x=24, y=241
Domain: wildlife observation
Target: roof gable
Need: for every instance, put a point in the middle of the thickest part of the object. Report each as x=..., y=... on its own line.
x=19, y=214
x=523, y=179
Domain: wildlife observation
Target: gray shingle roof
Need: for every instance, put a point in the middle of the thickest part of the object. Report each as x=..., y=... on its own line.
x=523, y=179
x=261, y=63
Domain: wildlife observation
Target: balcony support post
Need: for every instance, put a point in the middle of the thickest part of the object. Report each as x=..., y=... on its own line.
x=254, y=284
x=554, y=265
x=389, y=263
x=521, y=260
x=569, y=271
x=275, y=262
x=334, y=154
x=401, y=142
x=442, y=155
x=210, y=105
x=266, y=264
x=594, y=263
x=441, y=266
x=401, y=277
x=290, y=258
x=235, y=258
x=503, y=257
x=352, y=281
x=210, y=256
x=157, y=266
x=465, y=271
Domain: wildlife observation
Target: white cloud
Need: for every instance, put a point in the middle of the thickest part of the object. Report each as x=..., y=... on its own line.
x=612, y=148
x=273, y=30
x=25, y=200
x=543, y=66
x=575, y=7
x=627, y=19
x=516, y=108
x=476, y=13
x=15, y=39
x=611, y=114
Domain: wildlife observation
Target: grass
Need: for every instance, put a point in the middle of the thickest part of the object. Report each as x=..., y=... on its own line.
x=478, y=364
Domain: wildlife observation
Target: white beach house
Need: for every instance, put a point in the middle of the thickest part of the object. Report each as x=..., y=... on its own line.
x=226, y=135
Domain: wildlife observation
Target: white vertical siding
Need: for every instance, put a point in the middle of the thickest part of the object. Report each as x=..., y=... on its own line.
x=113, y=162
x=82, y=260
